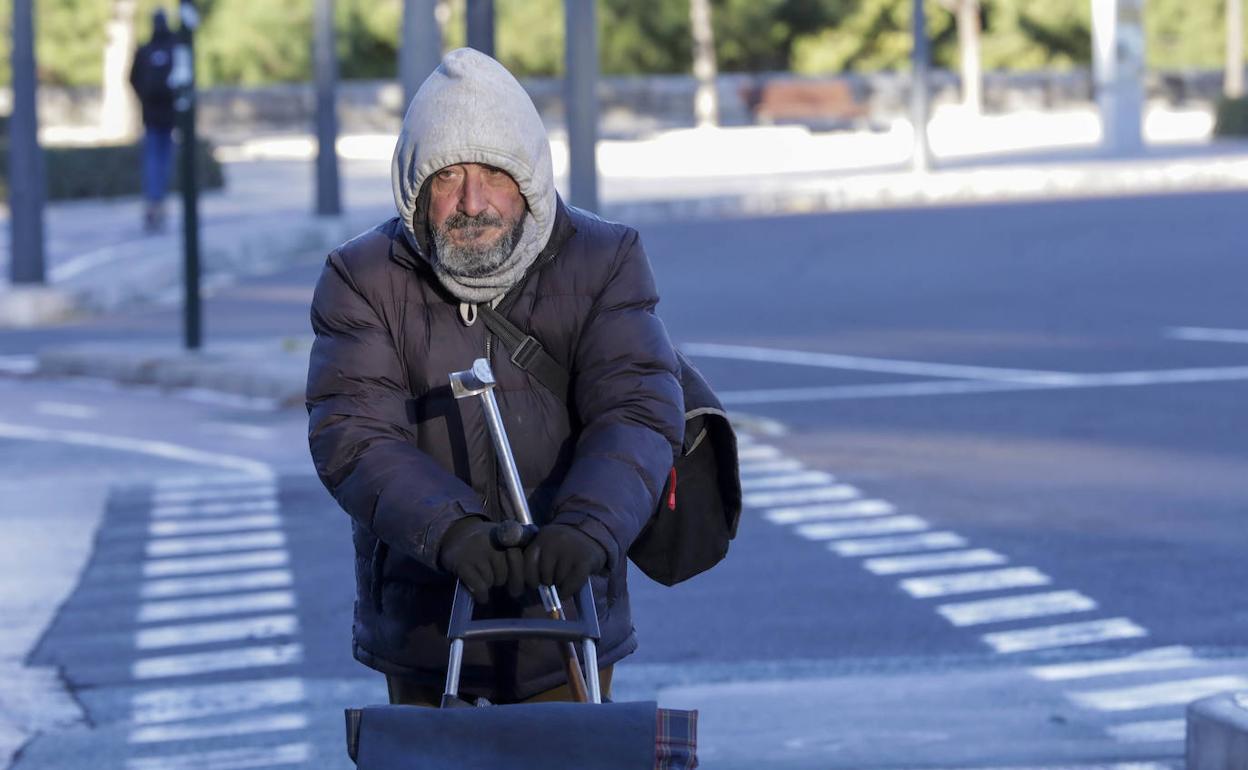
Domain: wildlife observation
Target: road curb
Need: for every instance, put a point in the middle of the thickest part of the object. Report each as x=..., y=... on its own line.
x=1217, y=732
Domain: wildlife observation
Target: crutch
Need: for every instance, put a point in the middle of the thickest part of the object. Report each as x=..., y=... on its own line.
x=479, y=381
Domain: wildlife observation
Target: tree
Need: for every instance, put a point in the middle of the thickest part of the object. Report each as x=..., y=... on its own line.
x=967, y=13
x=1234, y=82
x=706, y=100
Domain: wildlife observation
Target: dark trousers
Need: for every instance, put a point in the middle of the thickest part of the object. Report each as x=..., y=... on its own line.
x=157, y=162
x=410, y=693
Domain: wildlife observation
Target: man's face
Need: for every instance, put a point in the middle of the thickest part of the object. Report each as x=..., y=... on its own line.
x=476, y=214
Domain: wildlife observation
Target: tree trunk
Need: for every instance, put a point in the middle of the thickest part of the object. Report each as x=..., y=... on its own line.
x=706, y=100
x=119, y=115
x=968, y=42
x=1233, y=86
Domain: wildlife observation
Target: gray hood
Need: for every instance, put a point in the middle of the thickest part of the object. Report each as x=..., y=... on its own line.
x=472, y=110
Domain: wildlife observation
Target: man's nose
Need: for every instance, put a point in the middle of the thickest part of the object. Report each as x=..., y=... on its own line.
x=472, y=197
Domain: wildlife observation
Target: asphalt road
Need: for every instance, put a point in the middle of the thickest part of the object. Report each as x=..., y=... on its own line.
x=1025, y=548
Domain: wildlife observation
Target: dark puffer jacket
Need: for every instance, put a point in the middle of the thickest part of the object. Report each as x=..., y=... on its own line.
x=406, y=460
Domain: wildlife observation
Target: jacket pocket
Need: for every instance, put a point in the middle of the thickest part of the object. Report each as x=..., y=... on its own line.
x=380, y=552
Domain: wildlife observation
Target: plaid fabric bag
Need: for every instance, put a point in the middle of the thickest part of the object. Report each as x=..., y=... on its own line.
x=538, y=736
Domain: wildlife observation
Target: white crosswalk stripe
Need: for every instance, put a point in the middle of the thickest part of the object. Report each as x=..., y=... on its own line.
x=234, y=630
x=852, y=509
x=897, y=565
x=181, y=609
x=213, y=509
x=174, y=528
x=187, y=546
x=215, y=584
x=780, y=481
x=1152, y=731
x=190, y=664
x=982, y=611
x=1157, y=694
x=974, y=582
x=175, y=704
x=228, y=759
x=249, y=725
x=1064, y=635
x=862, y=528
x=226, y=563
x=1158, y=659
x=878, y=546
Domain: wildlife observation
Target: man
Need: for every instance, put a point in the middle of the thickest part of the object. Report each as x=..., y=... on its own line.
x=397, y=309
x=149, y=76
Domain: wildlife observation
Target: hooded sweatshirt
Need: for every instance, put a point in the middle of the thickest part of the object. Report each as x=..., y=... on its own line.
x=472, y=110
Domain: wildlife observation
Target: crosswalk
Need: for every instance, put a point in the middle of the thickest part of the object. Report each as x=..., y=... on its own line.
x=975, y=588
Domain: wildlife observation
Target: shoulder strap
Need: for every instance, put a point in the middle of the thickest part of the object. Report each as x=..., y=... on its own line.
x=526, y=352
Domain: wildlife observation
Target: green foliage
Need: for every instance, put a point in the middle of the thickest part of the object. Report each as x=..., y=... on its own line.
x=109, y=171
x=1232, y=117
x=69, y=40
x=875, y=35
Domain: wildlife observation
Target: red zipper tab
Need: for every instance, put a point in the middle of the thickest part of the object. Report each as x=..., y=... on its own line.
x=671, y=495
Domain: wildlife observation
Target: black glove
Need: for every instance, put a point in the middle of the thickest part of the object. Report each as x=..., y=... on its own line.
x=563, y=556
x=468, y=552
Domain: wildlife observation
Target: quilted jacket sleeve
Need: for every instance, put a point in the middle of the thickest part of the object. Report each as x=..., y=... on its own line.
x=628, y=396
x=362, y=442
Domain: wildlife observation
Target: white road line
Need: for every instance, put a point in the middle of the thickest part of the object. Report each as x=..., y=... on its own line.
x=19, y=364
x=929, y=562
x=188, y=546
x=1153, y=731
x=796, y=496
x=878, y=546
x=851, y=510
x=63, y=409
x=241, y=430
x=180, y=609
x=882, y=526
x=222, y=524
x=215, y=584
x=807, y=478
x=1152, y=695
x=192, y=495
x=220, y=660
x=771, y=466
x=202, y=564
x=757, y=452
x=981, y=611
x=1201, y=334
x=974, y=582
x=161, y=449
x=864, y=364
x=1159, y=659
x=228, y=759
x=246, y=629
x=201, y=480
x=212, y=509
x=249, y=725
x=1064, y=635
x=176, y=704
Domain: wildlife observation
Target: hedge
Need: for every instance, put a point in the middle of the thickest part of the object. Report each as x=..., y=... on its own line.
x=106, y=171
x=1232, y=117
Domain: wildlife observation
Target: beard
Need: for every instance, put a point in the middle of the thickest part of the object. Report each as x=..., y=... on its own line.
x=475, y=260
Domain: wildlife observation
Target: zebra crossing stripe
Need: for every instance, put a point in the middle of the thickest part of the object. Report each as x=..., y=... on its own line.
x=795, y=496
x=852, y=509
x=249, y=725
x=213, y=509
x=1064, y=635
x=176, y=528
x=982, y=611
x=168, y=588
x=1158, y=659
x=191, y=495
x=881, y=526
x=1159, y=694
x=779, y=481
x=190, y=664
x=974, y=582
x=229, y=759
x=1152, y=731
x=244, y=629
x=188, y=546
x=878, y=546
x=175, y=704
x=181, y=609
x=226, y=563
x=896, y=565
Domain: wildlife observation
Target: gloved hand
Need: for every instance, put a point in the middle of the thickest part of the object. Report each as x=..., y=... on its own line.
x=469, y=554
x=563, y=556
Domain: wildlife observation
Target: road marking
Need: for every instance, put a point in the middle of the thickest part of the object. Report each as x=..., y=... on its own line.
x=212, y=509
x=878, y=546
x=897, y=565
x=864, y=364
x=241, y=430
x=982, y=611
x=19, y=364
x=848, y=510
x=214, y=584
x=771, y=466
x=228, y=759
x=1201, y=334
x=223, y=524
x=221, y=660
x=180, y=609
x=881, y=526
x=187, y=546
x=974, y=582
x=249, y=725
x=1152, y=695
x=200, y=480
x=796, y=496
x=184, y=635
x=192, y=702
x=757, y=452
x=1064, y=635
x=191, y=495
x=63, y=409
x=808, y=478
x=201, y=564
x=886, y=390
x=1153, y=731
x=1159, y=659
x=162, y=449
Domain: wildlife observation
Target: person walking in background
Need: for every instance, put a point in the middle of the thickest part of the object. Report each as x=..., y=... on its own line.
x=149, y=76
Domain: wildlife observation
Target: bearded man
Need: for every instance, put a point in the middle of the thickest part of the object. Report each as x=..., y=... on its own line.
x=397, y=309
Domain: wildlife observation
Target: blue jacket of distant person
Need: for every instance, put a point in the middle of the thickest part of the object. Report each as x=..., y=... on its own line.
x=407, y=460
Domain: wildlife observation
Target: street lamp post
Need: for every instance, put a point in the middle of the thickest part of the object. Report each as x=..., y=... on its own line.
x=421, y=49
x=328, y=199
x=581, y=101
x=182, y=81
x=26, y=165
x=481, y=25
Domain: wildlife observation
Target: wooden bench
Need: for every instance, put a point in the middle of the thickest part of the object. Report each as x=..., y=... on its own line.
x=822, y=102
